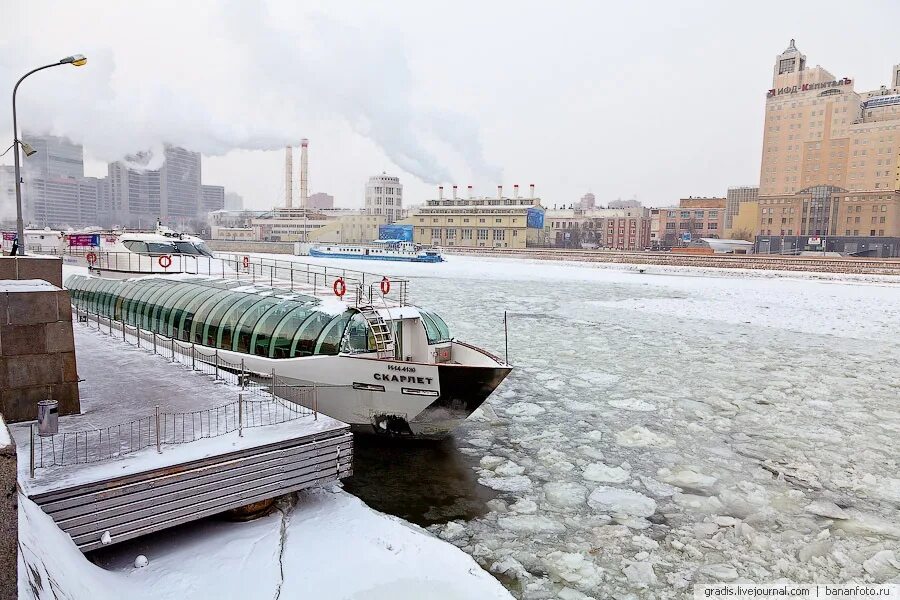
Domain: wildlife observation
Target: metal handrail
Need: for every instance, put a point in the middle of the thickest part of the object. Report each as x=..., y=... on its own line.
x=114, y=441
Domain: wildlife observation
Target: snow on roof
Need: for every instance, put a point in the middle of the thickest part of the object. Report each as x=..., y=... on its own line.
x=26, y=285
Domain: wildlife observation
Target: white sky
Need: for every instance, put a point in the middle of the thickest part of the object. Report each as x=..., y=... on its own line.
x=655, y=99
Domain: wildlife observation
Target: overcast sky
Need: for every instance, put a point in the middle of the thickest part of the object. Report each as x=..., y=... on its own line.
x=654, y=99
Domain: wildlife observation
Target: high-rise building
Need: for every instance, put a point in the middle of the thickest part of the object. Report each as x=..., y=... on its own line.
x=831, y=155
x=179, y=180
x=384, y=196
x=55, y=192
x=55, y=157
x=588, y=201
x=212, y=198
x=172, y=193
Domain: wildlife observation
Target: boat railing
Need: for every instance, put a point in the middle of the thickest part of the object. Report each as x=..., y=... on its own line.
x=363, y=287
x=319, y=280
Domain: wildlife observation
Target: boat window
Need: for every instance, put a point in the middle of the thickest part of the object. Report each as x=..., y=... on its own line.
x=136, y=246
x=160, y=248
x=265, y=328
x=186, y=248
x=224, y=336
x=284, y=333
x=123, y=301
x=151, y=303
x=142, y=300
x=160, y=306
x=183, y=327
x=169, y=305
x=304, y=343
x=179, y=309
x=202, y=314
x=243, y=332
x=435, y=328
x=329, y=341
x=359, y=336
x=210, y=334
x=203, y=249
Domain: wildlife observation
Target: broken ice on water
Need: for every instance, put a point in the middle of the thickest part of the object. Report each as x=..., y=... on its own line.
x=662, y=430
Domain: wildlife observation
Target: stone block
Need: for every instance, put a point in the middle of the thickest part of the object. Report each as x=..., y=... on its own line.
x=28, y=308
x=23, y=339
x=7, y=267
x=17, y=405
x=67, y=396
x=69, y=370
x=64, y=305
x=33, y=369
x=58, y=337
x=48, y=269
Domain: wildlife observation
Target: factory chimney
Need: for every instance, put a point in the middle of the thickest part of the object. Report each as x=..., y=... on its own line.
x=516, y=190
x=440, y=192
x=288, y=176
x=532, y=190
x=499, y=191
x=304, y=173
x=469, y=192
x=454, y=192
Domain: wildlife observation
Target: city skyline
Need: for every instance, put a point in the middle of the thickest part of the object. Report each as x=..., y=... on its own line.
x=564, y=113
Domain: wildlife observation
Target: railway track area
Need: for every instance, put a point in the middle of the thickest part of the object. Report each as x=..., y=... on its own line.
x=857, y=266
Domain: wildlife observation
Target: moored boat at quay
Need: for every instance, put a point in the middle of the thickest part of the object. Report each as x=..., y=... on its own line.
x=377, y=363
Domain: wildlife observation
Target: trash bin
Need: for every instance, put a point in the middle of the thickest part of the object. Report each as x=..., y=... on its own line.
x=48, y=417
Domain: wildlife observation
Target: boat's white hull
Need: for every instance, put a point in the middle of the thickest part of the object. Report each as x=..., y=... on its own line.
x=386, y=396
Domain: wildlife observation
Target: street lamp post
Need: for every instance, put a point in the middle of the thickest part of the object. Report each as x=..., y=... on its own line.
x=76, y=60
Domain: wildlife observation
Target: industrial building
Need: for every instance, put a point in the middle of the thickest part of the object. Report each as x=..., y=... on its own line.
x=612, y=228
x=498, y=222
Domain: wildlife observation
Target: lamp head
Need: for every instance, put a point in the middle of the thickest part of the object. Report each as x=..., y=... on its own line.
x=27, y=149
x=77, y=60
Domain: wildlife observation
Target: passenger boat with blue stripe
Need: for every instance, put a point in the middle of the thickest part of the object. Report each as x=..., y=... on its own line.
x=397, y=250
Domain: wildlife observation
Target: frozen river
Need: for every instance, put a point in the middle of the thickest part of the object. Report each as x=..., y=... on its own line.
x=676, y=427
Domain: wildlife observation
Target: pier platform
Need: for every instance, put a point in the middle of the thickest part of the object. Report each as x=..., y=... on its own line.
x=159, y=444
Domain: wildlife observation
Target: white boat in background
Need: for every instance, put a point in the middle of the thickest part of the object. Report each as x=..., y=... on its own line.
x=395, y=250
x=162, y=252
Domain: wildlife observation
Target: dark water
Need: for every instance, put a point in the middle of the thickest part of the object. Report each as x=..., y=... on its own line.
x=422, y=481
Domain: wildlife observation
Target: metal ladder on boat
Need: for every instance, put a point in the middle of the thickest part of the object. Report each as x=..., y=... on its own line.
x=381, y=331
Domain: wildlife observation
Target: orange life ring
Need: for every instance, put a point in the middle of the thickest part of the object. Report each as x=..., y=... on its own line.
x=385, y=285
x=91, y=258
x=339, y=287
x=165, y=261
x=246, y=261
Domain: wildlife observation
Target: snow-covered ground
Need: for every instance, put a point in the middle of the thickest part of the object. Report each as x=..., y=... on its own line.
x=327, y=544
x=677, y=426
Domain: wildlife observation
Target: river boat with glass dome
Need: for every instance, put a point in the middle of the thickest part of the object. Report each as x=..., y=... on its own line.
x=392, y=369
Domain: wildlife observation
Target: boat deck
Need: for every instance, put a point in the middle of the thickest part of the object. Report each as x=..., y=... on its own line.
x=120, y=468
